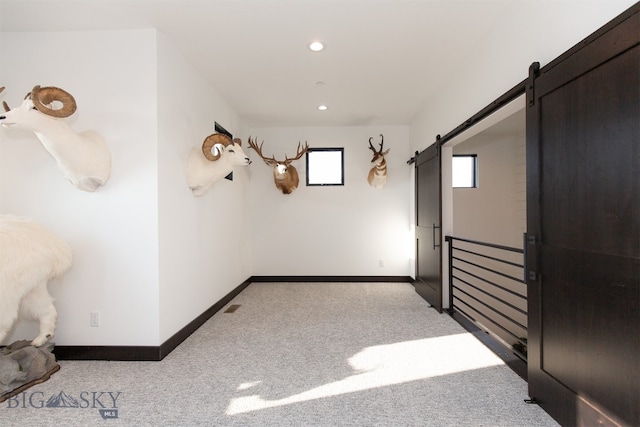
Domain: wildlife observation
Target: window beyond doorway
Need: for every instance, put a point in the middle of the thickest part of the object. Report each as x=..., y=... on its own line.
x=465, y=171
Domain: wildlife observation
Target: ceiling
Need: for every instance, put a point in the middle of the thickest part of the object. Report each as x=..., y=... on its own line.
x=383, y=59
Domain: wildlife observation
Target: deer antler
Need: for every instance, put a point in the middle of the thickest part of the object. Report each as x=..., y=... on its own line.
x=298, y=153
x=268, y=160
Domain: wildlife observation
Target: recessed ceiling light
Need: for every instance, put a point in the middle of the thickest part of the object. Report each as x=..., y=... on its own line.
x=322, y=107
x=316, y=46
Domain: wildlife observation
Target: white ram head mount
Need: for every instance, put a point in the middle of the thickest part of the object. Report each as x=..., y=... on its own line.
x=216, y=159
x=83, y=158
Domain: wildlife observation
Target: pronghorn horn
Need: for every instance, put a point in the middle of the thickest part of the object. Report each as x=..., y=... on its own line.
x=4, y=104
x=371, y=145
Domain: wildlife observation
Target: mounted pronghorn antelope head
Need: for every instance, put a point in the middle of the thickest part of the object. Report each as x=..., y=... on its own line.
x=83, y=158
x=285, y=174
x=216, y=160
x=378, y=174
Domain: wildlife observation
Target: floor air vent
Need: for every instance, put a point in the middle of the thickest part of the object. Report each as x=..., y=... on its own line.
x=232, y=308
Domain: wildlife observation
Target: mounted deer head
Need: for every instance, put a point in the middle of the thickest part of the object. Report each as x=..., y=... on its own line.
x=378, y=174
x=216, y=160
x=83, y=158
x=285, y=174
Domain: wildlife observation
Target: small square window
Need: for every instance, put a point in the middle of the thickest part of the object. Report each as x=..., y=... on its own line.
x=325, y=166
x=465, y=171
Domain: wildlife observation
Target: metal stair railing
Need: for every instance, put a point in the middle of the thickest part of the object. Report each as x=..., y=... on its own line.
x=487, y=286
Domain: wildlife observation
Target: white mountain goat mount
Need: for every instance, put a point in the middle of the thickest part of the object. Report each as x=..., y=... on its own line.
x=377, y=177
x=216, y=160
x=83, y=158
x=30, y=256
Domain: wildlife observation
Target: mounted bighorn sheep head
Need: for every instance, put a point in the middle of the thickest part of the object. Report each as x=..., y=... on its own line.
x=378, y=174
x=83, y=158
x=216, y=160
x=285, y=174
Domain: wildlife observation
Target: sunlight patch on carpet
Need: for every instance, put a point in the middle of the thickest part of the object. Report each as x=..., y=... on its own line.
x=387, y=365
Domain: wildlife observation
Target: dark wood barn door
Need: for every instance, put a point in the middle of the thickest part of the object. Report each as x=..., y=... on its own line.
x=583, y=229
x=428, y=283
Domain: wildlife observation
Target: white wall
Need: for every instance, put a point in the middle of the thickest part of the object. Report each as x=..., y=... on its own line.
x=149, y=256
x=332, y=231
x=204, y=241
x=114, y=231
x=532, y=30
x=492, y=212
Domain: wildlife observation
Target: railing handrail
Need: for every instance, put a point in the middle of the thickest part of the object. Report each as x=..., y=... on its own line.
x=490, y=245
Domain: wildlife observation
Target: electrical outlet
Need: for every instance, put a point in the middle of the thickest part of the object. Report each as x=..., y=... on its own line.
x=94, y=319
x=381, y=263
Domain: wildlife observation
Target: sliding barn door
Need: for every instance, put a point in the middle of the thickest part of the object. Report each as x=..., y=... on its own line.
x=428, y=283
x=583, y=237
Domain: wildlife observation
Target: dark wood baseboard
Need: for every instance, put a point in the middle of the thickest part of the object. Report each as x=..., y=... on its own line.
x=102, y=352
x=145, y=353
x=157, y=353
x=518, y=365
x=338, y=279
x=169, y=345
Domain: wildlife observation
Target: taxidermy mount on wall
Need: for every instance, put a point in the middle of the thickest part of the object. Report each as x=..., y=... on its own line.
x=30, y=256
x=377, y=177
x=216, y=159
x=83, y=158
x=285, y=174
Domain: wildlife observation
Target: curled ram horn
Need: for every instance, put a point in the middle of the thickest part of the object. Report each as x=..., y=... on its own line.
x=210, y=141
x=42, y=96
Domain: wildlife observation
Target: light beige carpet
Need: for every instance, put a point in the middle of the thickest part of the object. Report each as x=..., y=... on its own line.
x=297, y=354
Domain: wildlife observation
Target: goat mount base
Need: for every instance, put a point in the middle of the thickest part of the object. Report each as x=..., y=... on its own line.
x=23, y=365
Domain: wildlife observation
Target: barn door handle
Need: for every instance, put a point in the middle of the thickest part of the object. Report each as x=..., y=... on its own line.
x=530, y=242
x=434, y=236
